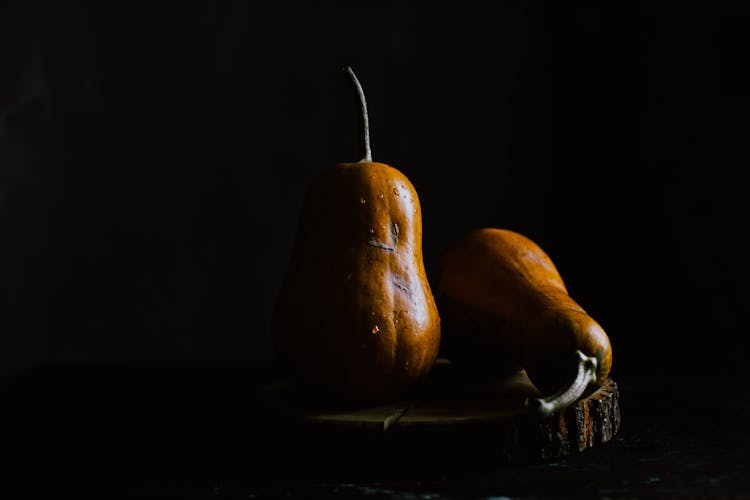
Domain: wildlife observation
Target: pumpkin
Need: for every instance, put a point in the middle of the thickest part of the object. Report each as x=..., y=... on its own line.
x=355, y=317
x=505, y=306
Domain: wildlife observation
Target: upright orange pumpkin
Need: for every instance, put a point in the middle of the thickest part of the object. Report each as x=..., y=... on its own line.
x=355, y=317
x=504, y=305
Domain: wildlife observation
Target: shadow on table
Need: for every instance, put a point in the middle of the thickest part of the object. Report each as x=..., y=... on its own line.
x=163, y=428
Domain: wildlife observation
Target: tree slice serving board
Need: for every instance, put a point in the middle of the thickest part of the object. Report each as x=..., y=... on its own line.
x=465, y=412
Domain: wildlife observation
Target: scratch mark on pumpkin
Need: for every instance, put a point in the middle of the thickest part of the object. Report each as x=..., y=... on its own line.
x=394, y=233
x=401, y=286
x=374, y=242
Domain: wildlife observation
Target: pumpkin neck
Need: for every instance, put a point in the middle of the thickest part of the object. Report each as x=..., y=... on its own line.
x=365, y=120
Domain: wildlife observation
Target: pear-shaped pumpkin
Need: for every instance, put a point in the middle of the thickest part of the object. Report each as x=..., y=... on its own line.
x=504, y=306
x=355, y=317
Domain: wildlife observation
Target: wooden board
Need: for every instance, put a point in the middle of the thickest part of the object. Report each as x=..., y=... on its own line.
x=457, y=410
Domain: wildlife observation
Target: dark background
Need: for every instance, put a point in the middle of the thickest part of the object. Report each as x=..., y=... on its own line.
x=153, y=162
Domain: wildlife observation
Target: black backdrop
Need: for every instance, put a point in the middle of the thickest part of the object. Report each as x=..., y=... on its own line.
x=153, y=161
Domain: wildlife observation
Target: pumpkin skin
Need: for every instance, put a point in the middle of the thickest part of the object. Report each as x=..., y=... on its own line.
x=505, y=306
x=355, y=317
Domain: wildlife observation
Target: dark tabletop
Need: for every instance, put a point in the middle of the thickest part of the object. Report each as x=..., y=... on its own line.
x=194, y=431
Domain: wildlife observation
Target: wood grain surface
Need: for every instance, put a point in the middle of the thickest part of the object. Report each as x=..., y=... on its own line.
x=461, y=411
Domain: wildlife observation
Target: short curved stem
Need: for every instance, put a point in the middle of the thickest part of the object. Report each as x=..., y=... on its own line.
x=365, y=119
x=566, y=396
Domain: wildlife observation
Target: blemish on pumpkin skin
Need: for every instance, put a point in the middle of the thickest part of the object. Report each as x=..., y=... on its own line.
x=374, y=242
x=401, y=287
x=394, y=233
x=400, y=316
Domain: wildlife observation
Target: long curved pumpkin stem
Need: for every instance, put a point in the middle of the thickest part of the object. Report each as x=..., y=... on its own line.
x=566, y=396
x=365, y=119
